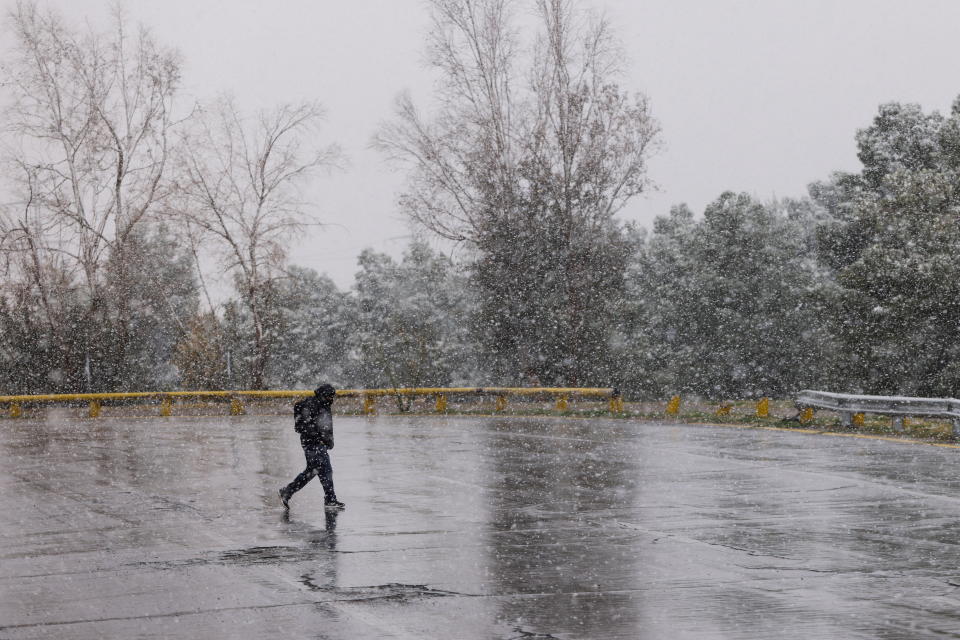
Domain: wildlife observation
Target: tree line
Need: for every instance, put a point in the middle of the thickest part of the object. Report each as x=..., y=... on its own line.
x=120, y=205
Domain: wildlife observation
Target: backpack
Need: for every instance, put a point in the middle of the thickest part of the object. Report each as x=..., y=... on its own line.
x=313, y=421
x=304, y=422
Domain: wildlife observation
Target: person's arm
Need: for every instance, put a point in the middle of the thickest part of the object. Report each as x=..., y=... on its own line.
x=325, y=424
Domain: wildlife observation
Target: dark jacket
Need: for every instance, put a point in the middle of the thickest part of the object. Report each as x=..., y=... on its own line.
x=313, y=420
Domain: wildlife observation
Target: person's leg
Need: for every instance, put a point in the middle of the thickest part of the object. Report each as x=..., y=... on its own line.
x=325, y=473
x=299, y=482
x=305, y=476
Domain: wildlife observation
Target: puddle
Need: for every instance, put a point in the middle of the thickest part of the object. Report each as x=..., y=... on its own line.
x=391, y=591
x=249, y=556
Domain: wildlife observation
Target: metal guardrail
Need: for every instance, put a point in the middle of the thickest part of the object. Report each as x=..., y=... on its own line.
x=166, y=399
x=852, y=407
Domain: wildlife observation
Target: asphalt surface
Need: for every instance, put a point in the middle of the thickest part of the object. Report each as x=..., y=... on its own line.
x=473, y=528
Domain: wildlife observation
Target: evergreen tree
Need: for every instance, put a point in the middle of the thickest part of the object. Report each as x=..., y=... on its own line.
x=548, y=295
x=732, y=302
x=161, y=294
x=315, y=321
x=894, y=242
x=411, y=329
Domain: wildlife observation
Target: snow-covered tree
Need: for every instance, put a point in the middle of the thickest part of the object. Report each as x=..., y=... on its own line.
x=531, y=153
x=79, y=351
x=549, y=300
x=412, y=322
x=732, y=304
x=314, y=324
x=894, y=244
x=42, y=352
x=161, y=294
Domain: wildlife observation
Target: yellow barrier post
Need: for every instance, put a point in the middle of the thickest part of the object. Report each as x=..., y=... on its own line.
x=763, y=408
x=673, y=407
x=236, y=407
x=501, y=403
x=369, y=405
x=94, y=410
x=616, y=403
x=15, y=410
x=724, y=409
x=858, y=419
x=806, y=415
x=165, y=406
x=441, y=403
x=562, y=402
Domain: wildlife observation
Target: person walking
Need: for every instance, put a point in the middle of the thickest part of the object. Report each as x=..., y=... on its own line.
x=313, y=420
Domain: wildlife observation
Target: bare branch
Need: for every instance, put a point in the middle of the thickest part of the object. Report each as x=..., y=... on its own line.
x=237, y=183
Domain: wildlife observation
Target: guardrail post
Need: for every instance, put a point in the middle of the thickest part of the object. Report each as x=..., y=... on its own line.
x=94, y=410
x=501, y=403
x=562, y=402
x=369, y=405
x=763, y=408
x=616, y=402
x=898, y=423
x=956, y=427
x=165, y=406
x=848, y=419
x=673, y=407
x=441, y=403
x=236, y=407
x=15, y=410
x=724, y=409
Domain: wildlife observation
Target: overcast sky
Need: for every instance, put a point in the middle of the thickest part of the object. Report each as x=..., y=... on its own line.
x=762, y=96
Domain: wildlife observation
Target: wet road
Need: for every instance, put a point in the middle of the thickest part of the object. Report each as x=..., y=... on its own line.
x=473, y=528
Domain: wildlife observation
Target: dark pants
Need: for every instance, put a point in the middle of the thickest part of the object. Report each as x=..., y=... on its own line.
x=318, y=464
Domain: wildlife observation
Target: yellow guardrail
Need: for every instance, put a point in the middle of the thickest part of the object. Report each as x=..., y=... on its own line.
x=166, y=398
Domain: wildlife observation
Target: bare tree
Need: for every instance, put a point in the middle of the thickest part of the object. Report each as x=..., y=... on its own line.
x=538, y=146
x=470, y=152
x=87, y=130
x=565, y=126
x=238, y=184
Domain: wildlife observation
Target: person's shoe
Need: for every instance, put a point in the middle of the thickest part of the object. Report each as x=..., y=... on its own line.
x=334, y=504
x=284, y=498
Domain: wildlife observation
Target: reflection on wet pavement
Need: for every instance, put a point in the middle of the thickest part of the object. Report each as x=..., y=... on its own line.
x=473, y=528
